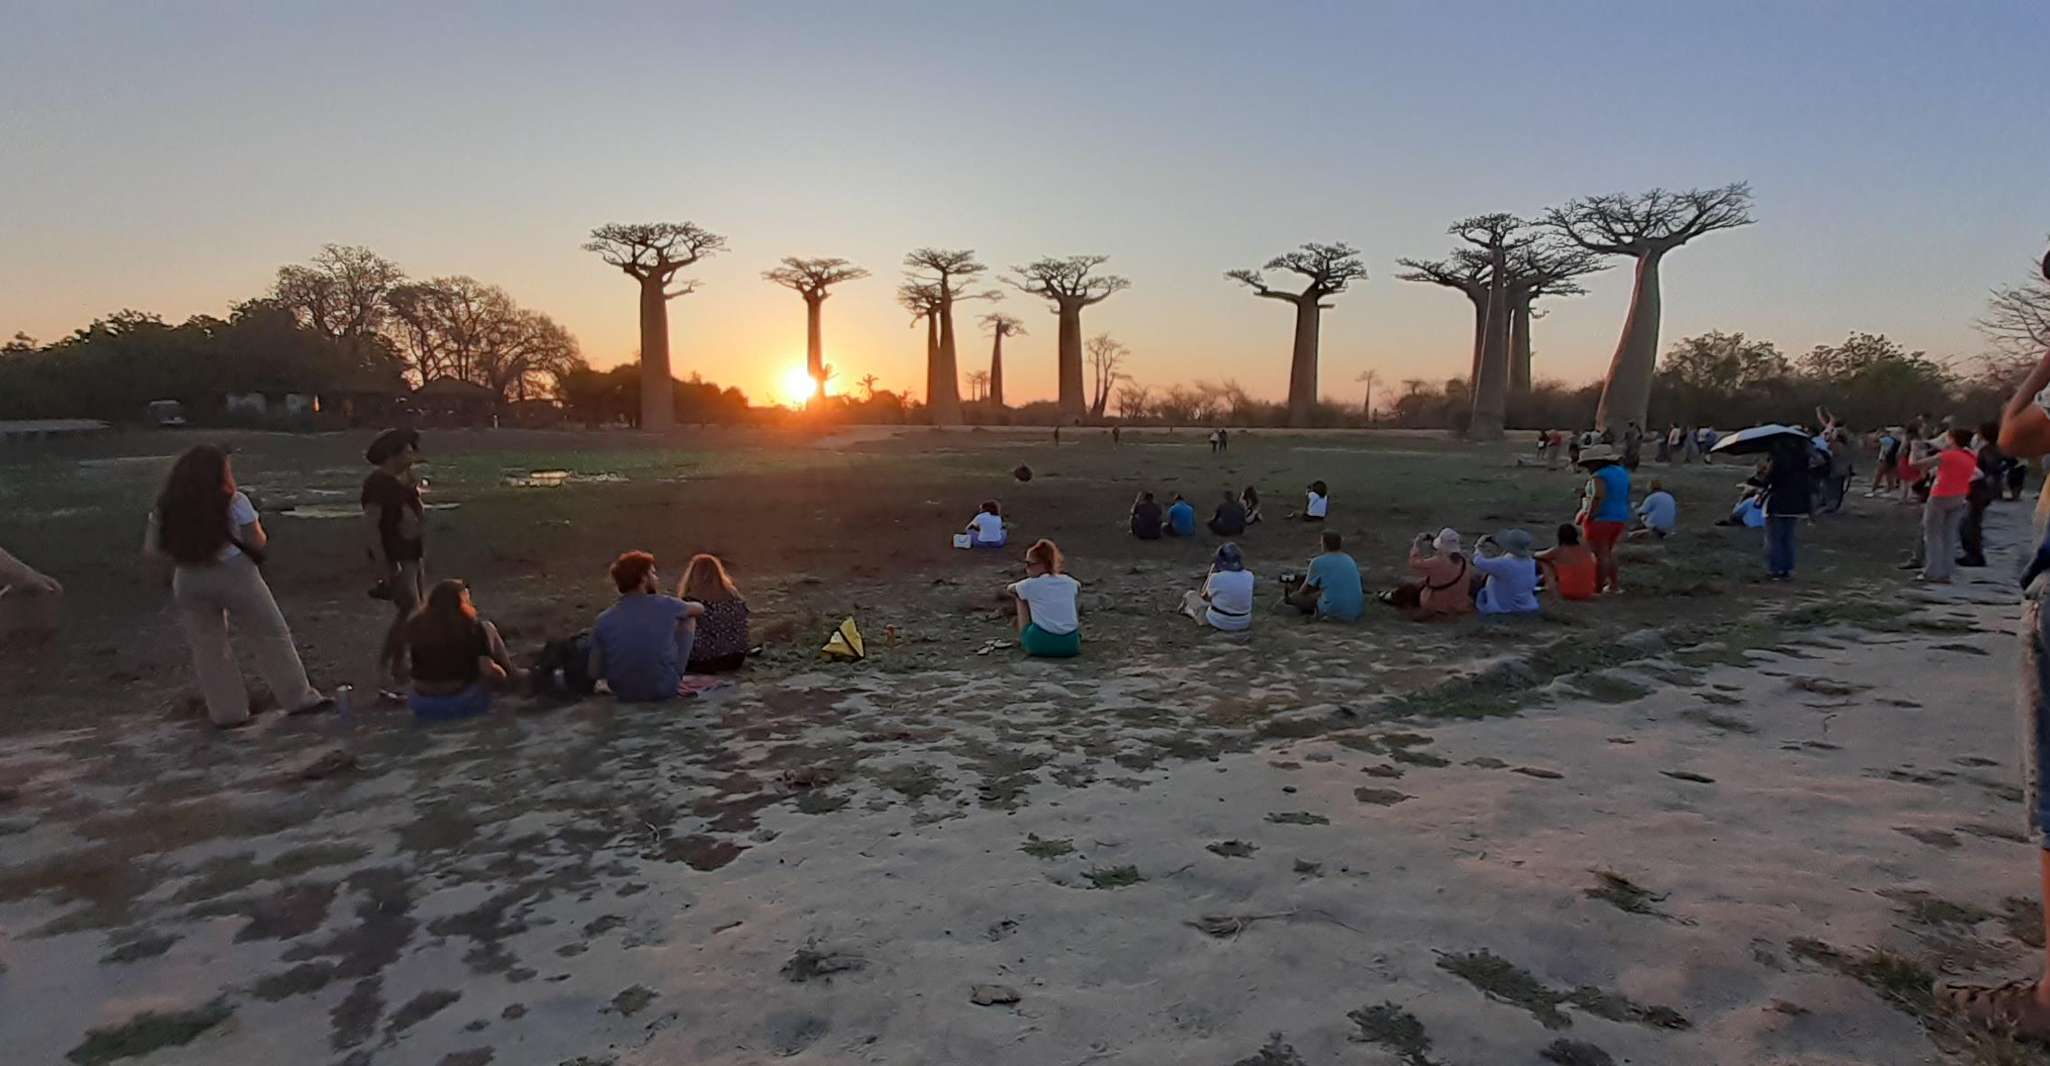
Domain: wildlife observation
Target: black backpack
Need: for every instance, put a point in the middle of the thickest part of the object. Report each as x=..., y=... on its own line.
x=569, y=657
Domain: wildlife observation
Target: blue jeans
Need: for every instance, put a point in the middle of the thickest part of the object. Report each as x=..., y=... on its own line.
x=1779, y=544
x=468, y=703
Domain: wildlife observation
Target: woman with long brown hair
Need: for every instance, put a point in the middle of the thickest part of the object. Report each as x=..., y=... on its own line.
x=208, y=530
x=722, y=630
x=455, y=655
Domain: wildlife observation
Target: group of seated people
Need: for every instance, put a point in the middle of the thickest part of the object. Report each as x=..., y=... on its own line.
x=1231, y=517
x=1503, y=576
x=643, y=647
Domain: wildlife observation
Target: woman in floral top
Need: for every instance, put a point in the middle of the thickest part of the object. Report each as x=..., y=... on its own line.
x=722, y=631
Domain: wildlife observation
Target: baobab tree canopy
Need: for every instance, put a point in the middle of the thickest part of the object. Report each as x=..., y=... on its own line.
x=1496, y=237
x=1069, y=284
x=999, y=325
x=651, y=253
x=813, y=279
x=1326, y=270
x=1644, y=226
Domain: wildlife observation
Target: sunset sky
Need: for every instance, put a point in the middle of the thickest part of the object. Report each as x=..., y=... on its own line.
x=170, y=159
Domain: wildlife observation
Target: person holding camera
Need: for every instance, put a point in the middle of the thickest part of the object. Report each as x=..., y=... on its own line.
x=1512, y=574
x=394, y=528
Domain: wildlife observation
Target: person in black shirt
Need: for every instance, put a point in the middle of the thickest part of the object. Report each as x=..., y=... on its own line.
x=1985, y=489
x=1789, y=494
x=1146, y=517
x=1230, y=517
x=394, y=538
x=455, y=655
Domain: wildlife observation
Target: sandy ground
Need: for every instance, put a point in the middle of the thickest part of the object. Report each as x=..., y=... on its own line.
x=823, y=868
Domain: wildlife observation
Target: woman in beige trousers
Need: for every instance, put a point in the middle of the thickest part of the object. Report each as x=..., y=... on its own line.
x=210, y=532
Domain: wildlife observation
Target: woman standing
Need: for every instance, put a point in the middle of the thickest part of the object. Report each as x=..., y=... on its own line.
x=722, y=630
x=394, y=520
x=1049, y=625
x=210, y=533
x=1944, y=514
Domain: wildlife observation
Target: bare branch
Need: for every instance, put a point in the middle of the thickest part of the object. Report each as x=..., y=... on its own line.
x=1326, y=268
x=1069, y=280
x=2017, y=318
x=1002, y=325
x=811, y=278
x=1649, y=223
x=653, y=250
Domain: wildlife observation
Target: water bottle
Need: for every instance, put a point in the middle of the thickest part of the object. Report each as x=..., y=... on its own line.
x=345, y=718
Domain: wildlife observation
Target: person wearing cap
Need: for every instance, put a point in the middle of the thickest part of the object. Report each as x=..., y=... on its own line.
x=394, y=527
x=1512, y=575
x=1443, y=587
x=1226, y=600
x=1604, y=511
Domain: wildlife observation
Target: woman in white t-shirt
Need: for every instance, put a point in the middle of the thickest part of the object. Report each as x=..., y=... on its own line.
x=209, y=531
x=1048, y=622
x=1318, y=504
x=1226, y=599
x=987, y=527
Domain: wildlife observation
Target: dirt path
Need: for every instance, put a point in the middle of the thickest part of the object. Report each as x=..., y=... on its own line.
x=1692, y=856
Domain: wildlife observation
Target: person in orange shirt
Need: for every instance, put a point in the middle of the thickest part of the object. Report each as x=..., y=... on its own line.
x=1569, y=569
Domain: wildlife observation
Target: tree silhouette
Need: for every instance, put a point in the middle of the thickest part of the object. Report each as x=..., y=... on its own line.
x=868, y=385
x=651, y=253
x=1000, y=325
x=944, y=271
x=1106, y=355
x=978, y=385
x=1465, y=271
x=1070, y=285
x=1326, y=270
x=923, y=301
x=1645, y=227
x=812, y=279
x=2017, y=318
x=1547, y=268
x=342, y=294
x=1496, y=237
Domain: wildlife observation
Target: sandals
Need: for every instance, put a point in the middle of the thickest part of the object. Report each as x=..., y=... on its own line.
x=2010, y=1008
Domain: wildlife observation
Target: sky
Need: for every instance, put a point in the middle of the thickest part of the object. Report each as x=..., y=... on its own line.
x=169, y=157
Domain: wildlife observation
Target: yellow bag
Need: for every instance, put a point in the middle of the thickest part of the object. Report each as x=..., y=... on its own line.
x=845, y=643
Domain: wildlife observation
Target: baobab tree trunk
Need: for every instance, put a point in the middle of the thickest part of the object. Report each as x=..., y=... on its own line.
x=1627, y=392
x=814, y=347
x=1302, y=370
x=943, y=390
x=996, y=371
x=658, y=391
x=1491, y=388
x=1073, y=401
x=1480, y=333
x=1519, y=345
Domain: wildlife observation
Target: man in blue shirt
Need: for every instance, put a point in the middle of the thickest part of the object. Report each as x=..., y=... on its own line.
x=1331, y=590
x=1181, y=518
x=640, y=644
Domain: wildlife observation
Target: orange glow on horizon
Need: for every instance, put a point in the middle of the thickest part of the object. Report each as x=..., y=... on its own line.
x=794, y=389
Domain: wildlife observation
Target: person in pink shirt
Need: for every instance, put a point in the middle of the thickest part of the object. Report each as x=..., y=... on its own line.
x=1944, y=514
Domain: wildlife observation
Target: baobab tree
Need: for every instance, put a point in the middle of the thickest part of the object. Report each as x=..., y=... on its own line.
x=1106, y=356
x=1326, y=270
x=978, y=385
x=651, y=253
x=1547, y=268
x=813, y=279
x=1070, y=285
x=944, y=271
x=999, y=325
x=1645, y=227
x=923, y=301
x=1465, y=271
x=1496, y=237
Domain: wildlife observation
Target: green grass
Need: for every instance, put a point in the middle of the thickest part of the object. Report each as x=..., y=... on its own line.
x=148, y=1032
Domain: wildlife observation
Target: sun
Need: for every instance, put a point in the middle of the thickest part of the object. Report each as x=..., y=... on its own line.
x=796, y=387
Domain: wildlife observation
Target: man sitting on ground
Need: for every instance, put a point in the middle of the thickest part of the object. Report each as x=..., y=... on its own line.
x=1181, y=518
x=1230, y=519
x=1146, y=517
x=1512, y=576
x=1331, y=590
x=1658, y=515
x=640, y=644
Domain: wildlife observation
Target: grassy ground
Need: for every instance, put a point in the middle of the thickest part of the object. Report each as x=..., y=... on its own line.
x=816, y=530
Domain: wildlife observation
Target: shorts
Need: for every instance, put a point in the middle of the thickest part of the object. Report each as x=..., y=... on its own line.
x=468, y=703
x=1602, y=534
x=2033, y=706
x=1038, y=642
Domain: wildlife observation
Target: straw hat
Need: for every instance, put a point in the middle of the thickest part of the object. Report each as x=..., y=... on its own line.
x=1447, y=541
x=1599, y=453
